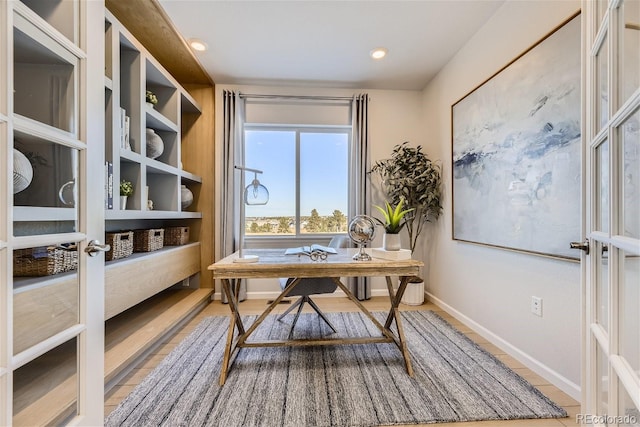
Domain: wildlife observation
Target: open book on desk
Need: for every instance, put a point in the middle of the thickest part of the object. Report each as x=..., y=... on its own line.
x=307, y=250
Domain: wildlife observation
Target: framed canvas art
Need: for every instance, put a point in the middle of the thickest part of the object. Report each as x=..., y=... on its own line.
x=516, y=148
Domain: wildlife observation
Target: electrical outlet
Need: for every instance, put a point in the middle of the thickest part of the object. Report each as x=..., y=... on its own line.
x=536, y=306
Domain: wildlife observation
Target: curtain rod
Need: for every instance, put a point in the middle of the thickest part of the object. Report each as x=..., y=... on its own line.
x=325, y=98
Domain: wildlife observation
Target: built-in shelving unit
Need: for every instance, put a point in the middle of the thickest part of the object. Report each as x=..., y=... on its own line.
x=130, y=72
x=147, y=294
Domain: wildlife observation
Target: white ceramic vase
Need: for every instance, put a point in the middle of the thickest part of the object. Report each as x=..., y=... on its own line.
x=123, y=202
x=186, y=197
x=155, y=145
x=391, y=242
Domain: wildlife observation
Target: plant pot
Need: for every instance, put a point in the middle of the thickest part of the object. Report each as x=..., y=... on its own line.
x=123, y=202
x=391, y=242
x=414, y=293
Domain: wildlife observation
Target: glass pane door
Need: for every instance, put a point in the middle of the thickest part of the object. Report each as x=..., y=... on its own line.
x=612, y=133
x=51, y=341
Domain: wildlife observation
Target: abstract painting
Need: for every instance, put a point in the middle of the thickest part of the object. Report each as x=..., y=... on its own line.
x=516, y=146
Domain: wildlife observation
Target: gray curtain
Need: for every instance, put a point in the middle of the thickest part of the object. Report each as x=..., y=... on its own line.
x=232, y=154
x=360, y=183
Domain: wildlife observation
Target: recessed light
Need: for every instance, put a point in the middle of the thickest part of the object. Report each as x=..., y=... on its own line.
x=197, y=44
x=378, y=53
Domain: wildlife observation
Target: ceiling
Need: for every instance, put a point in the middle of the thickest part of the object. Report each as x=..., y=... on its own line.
x=327, y=43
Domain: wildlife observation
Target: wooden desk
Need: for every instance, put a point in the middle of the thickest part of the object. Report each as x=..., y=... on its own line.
x=273, y=263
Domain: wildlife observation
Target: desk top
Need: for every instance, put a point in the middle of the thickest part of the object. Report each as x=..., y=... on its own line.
x=274, y=263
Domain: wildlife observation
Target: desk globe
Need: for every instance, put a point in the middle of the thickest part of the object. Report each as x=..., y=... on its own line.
x=361, y=230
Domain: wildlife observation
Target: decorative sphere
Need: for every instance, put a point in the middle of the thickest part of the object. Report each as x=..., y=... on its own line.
x=362, y=229
x=186, y=197
x=22, y=171
x=155, y=146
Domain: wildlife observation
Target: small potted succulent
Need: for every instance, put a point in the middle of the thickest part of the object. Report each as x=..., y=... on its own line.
x=151, y=98
x=393, y=223
x=126, y=189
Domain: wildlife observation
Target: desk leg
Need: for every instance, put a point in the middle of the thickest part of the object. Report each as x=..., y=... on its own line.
x=394, y=313
x=234, y=317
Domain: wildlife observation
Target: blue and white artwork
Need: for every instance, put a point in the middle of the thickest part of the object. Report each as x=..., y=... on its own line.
x=516, y=152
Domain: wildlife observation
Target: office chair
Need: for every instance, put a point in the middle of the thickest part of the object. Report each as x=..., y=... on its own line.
x=312, y=286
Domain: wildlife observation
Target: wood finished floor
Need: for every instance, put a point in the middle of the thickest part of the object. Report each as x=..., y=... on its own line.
x=338, y=304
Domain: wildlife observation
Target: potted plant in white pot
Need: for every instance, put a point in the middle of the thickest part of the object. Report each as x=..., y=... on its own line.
x=393, y=223
x=410, y=176
x=126, y=190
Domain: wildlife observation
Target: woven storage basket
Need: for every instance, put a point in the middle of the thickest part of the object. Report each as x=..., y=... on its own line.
x=176, y=236
x=148, y=240
x=44, y=261
x=121, y=245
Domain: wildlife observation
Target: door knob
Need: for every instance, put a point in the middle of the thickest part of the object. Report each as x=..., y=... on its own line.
x=94, y=247
x=583, y=246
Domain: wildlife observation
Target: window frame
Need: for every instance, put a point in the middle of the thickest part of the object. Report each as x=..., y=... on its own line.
x=297, y=239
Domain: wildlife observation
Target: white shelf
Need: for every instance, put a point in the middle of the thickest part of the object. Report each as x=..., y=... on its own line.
x=154, y=166
x=131, y=156
x=26, y=284
x=26, y=127
x=157, y=121
x=188, y=104
x=188, y=177
x=138, y=214
x=36, y=213
x=108, y=83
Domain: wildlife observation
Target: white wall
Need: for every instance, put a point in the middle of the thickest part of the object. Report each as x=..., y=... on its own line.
x=491, y=289
x=394, y=117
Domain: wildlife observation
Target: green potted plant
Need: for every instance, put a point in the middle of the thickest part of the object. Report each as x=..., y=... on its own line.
x=393, y=223
x=151, y=98
x=411, y=176
x=126, y=189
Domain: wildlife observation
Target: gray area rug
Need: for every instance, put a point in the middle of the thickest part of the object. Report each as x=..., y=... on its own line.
x=347, y=385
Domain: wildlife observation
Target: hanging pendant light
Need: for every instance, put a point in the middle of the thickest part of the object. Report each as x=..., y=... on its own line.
x=256, y=193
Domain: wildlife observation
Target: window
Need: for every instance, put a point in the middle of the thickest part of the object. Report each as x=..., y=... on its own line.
x=306, y=170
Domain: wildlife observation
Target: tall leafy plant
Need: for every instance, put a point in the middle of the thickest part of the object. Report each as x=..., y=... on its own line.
x=410, y=175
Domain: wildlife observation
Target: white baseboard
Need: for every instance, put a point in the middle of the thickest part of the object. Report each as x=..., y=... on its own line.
x=535, y=365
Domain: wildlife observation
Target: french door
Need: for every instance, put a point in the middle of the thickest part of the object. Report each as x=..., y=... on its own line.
x=52, y=140
x=611, y=373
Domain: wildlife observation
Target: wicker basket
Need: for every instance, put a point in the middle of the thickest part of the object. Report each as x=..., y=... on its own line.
x=176, y=236
x=44, y=261
x=148, y=240
x=121, y=245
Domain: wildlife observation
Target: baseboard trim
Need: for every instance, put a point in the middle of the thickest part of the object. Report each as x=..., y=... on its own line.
x=535, y=365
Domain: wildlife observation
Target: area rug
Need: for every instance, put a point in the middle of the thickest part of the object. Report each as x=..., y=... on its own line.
x=346, y=385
